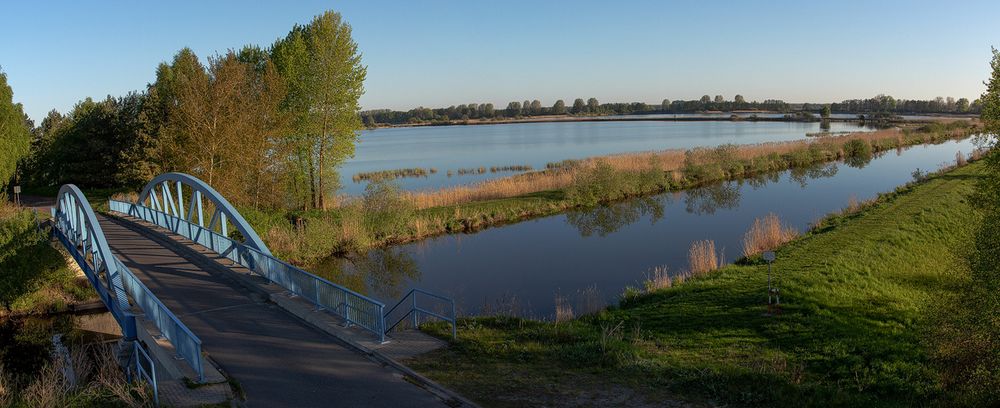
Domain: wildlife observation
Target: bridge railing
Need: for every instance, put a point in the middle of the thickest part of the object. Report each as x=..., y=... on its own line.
x=349, y=305
x=186, y=343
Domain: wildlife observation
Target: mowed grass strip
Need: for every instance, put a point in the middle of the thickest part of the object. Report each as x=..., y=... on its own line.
x=858, y=303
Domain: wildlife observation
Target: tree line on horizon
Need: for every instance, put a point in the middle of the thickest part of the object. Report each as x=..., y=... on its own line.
x=264, y=126
x=881, y=104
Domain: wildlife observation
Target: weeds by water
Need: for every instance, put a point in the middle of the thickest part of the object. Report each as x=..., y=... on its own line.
x=766, y=234
x=702, y=257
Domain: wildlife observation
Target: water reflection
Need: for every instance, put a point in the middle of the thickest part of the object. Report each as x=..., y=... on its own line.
x=817, y=171
x=587, y=257
x=381, y=272
x=608, y=218
x=709, y=199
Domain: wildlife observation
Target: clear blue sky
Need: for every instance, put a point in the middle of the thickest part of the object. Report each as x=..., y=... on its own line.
x=439, y=53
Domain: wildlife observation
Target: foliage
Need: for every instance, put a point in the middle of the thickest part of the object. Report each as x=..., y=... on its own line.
x=322, y=68
x=34, y=277
x=387, y=211
x=14, y=134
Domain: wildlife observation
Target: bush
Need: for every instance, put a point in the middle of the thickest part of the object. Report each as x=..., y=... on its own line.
x=386, y=210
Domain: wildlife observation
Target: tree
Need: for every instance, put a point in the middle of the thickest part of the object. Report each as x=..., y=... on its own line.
x=719, y=99
x=536, y=107
x=962, y=105
x=559, y=108
x=825, y=113
x=526, y=107
x=665, y=105
x=739, y=100
x=324, y=77
x=593, y=106
x=486, y=110
x=705, y=99
x=513, y=109
x=807, y=107
x=578, y=106
x=15, y=137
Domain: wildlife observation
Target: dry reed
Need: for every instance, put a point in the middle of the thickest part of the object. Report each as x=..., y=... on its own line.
x=959, y=159
x=561, y=175
x=766, y=234
x=658, y=278
x=702, y=257
x=564, y=312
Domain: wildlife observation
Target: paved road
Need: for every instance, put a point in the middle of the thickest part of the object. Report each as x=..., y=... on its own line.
x=278, y=360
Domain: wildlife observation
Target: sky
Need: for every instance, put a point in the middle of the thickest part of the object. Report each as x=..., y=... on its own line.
x=440, y=53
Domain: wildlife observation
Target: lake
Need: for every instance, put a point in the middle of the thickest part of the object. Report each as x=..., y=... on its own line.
x=590, y=256
x=452, y=148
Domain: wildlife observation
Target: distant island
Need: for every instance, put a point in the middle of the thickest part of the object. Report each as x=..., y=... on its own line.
x=881, y=107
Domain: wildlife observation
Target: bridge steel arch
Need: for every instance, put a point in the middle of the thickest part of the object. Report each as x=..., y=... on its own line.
x=76, y=226
x=166, y=194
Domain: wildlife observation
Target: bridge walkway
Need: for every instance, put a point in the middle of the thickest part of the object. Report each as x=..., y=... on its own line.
x=277, y=359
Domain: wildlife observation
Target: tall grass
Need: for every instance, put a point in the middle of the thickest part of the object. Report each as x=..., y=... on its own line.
x=702, y=257
x=694, y=165
x=87, y=377
x=766, y=234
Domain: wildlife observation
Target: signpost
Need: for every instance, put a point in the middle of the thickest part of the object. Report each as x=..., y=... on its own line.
x=772, y=289
x=17, y=195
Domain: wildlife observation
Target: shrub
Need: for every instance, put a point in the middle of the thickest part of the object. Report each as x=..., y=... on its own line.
x=386, y=210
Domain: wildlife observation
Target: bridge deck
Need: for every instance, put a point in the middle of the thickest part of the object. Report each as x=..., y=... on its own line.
x=277, y=360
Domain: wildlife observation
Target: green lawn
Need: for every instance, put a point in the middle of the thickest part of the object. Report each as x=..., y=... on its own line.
x=861, y=297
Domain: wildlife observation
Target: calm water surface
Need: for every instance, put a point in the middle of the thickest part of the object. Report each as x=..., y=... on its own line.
x=536, y=144
x=590, y=256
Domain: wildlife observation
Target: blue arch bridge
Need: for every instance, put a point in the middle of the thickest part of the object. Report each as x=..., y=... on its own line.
x=200, y=297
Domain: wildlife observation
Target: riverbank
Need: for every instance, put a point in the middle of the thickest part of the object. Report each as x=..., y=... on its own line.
x=35, y=278
x=864, y=296
x=686, y=117
x=387, y=216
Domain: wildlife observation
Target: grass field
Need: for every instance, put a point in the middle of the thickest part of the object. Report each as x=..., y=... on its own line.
x=862, y=296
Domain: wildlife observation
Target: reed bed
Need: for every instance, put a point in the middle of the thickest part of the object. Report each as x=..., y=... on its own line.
x=511, y=168
x=380, y=175
x=766, y=234
x=702, y=257
x=674, y=161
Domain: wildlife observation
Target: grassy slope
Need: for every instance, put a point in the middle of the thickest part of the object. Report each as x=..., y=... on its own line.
x=854, y=331
x=34, y=277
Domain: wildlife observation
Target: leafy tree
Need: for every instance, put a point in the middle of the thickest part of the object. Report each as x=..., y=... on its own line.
x=324, y=77
x=739, y=100
x=513, y=109
x=665, y=105
x=559, y=108
x=962, y=105
x=825, y=113
x=15, y=137
x=719, y=99
x=536, y=107
x=593, y=106
x=705, y=99
x=578, y=106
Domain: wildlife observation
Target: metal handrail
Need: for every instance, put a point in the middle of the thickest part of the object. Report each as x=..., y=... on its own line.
x=368, y=312
x=150, y=375
x=185, y=342
x=416, y=309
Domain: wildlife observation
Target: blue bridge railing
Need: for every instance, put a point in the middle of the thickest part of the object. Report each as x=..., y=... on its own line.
x=186, y=344
x=349, y=305
x=77, y=228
